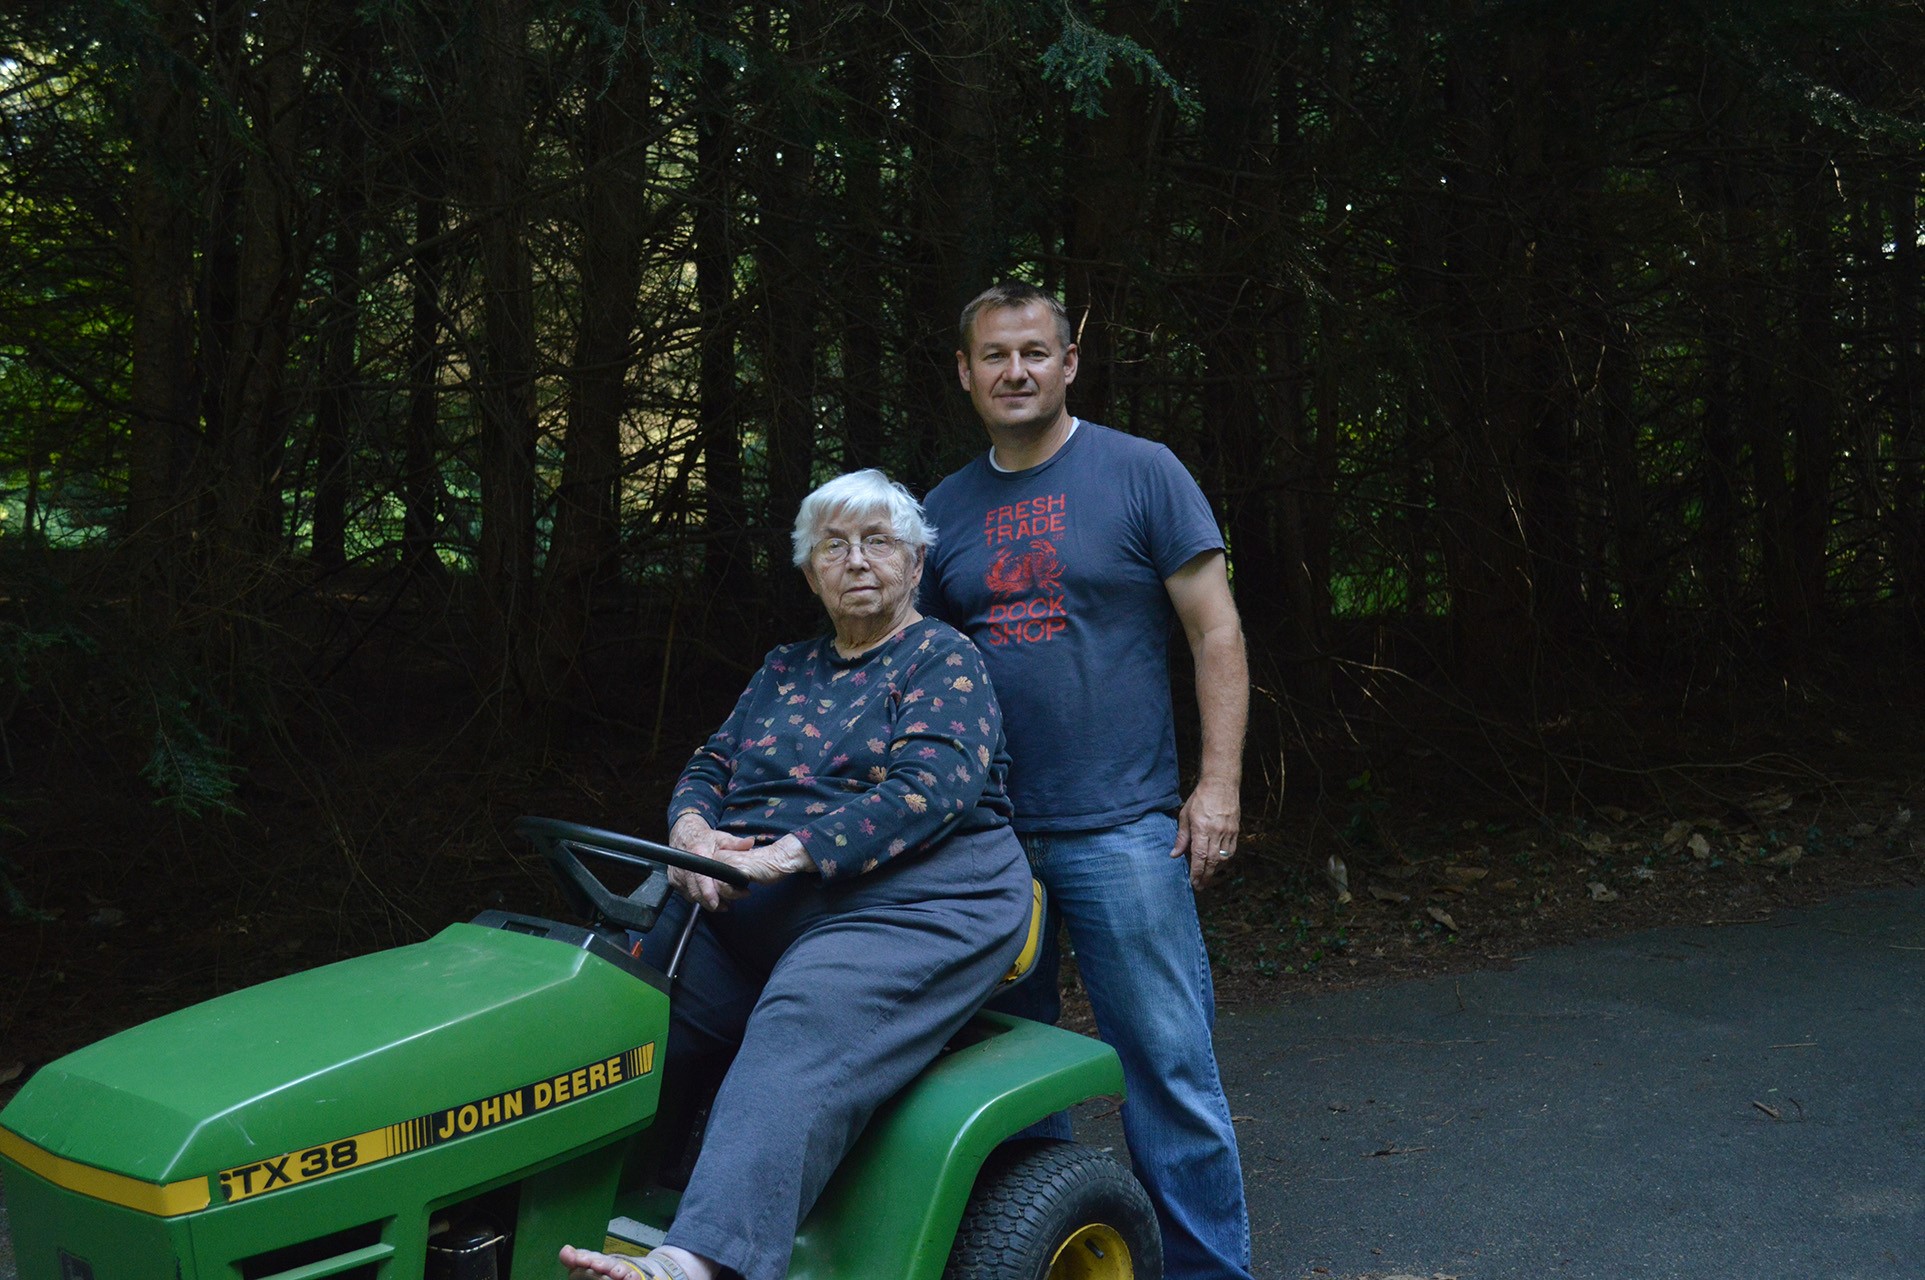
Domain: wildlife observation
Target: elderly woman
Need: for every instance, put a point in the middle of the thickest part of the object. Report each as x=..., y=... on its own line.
x=859, y=783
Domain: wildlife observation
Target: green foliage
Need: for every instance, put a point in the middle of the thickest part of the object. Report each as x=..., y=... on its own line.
x=24, y=649
x=1363, y=829
x=1823, y=62
x=192, y=774
x=1080, y=59
x=17, y=905
x=21, y=645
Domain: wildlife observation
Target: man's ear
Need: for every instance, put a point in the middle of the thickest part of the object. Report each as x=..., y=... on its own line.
x=962, y=370
x=1070, y=354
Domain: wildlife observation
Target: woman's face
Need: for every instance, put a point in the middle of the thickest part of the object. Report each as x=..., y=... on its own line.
x=860, y=584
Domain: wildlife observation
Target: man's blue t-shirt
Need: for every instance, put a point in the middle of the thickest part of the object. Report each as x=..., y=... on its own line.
x=1057, y=574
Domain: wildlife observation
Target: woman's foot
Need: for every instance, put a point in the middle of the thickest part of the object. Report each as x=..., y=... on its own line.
x=664, y=1263
x=586, y=1264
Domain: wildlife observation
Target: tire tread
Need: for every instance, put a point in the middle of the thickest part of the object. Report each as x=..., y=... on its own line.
x=1037, y=1192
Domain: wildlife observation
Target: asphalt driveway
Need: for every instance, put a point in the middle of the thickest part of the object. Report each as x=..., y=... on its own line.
x=1741, y=1101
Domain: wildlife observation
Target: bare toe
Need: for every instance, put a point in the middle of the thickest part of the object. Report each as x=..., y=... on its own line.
x=586, y=1264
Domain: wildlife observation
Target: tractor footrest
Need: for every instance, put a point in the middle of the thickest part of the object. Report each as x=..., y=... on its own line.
x=632, y=1236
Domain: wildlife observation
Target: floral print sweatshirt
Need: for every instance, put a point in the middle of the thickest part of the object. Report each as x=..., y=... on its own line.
x=864, y=759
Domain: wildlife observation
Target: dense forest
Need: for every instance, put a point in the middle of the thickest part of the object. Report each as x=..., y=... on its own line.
x=390, y=375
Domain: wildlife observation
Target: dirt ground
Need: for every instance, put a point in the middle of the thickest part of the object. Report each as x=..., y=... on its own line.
x=1441, y=887
x=1417, y=857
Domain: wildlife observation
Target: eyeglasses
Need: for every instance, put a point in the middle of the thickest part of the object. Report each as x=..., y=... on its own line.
x=875, y=546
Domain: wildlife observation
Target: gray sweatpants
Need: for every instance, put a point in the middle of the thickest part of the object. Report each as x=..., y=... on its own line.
x=832, y=999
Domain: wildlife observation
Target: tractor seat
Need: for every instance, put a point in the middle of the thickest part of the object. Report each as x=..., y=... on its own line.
x=1032, y=939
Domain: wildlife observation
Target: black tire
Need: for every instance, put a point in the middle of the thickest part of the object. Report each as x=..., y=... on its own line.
x=1046, y=1210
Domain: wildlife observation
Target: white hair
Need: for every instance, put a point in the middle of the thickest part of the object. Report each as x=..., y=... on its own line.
x=861, y=492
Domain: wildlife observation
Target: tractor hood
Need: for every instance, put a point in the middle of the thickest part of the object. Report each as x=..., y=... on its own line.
x=459, y=1031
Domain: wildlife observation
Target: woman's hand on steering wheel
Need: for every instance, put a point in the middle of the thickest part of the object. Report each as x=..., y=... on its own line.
x=763, y=864
x=692, y=835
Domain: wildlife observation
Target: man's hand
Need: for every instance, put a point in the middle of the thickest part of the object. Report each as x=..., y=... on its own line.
x=762, y=864
x=1206, y=830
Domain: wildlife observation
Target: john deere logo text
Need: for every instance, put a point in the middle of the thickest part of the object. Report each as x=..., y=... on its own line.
x=542, y=1095
x=436, y=1127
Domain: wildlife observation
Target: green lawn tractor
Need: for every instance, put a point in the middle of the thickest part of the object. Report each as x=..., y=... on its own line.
x=461, y=1108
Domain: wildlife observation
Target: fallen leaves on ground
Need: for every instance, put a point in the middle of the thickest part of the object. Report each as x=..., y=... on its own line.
x=1449, y=893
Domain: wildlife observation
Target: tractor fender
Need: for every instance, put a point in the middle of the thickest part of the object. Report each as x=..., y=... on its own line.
x=893, y=1207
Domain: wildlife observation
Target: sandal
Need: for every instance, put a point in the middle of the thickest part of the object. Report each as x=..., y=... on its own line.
x=652, y=1267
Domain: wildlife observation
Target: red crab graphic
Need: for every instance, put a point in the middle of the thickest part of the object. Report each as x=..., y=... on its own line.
x=1036, y=569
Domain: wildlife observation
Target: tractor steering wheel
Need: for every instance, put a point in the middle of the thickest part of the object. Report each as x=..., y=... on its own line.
x=562, y=843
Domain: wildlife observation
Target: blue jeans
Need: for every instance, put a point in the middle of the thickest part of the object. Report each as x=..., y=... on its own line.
x=1132, y=921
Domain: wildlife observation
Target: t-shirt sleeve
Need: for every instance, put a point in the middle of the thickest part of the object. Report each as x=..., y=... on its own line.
x=931, y=600
x=944, y=729
x=1173, y=509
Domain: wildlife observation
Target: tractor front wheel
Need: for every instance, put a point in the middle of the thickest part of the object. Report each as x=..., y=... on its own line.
x=1056, y=1211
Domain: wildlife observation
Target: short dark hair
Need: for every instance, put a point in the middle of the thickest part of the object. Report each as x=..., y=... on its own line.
x=1013, y=293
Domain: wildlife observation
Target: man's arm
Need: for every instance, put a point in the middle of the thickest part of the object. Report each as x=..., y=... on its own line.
x=1207, y=826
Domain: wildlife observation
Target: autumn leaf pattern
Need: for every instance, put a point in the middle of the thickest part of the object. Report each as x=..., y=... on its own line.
x=851, y=755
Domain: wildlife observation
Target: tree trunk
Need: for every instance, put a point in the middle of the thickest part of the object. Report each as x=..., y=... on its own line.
x=1716, y=477
x=160, y=262
x=1907, y=395
x=958, y=232
x=1483, y=464
x=507, y=373
x=1763, y=417
x=728, y=564
x=1640, y=578
x=1109, y=180
x=249, y=429
x=1234, y=313
x=336, y=411
x=1540, y=282
x=421, y=450
x=1812, y=401
x=791, y=275
x=862, y=312
x=583, y=553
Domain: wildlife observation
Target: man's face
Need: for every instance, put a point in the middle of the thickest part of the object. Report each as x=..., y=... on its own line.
x=1017, y=370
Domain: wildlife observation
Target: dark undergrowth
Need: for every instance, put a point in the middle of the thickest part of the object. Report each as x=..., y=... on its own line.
x=1409, y=837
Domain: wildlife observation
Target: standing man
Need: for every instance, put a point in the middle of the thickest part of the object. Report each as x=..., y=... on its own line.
x=1067, y=553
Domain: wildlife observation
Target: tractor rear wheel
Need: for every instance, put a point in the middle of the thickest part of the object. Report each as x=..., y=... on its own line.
x=1056, y=1211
